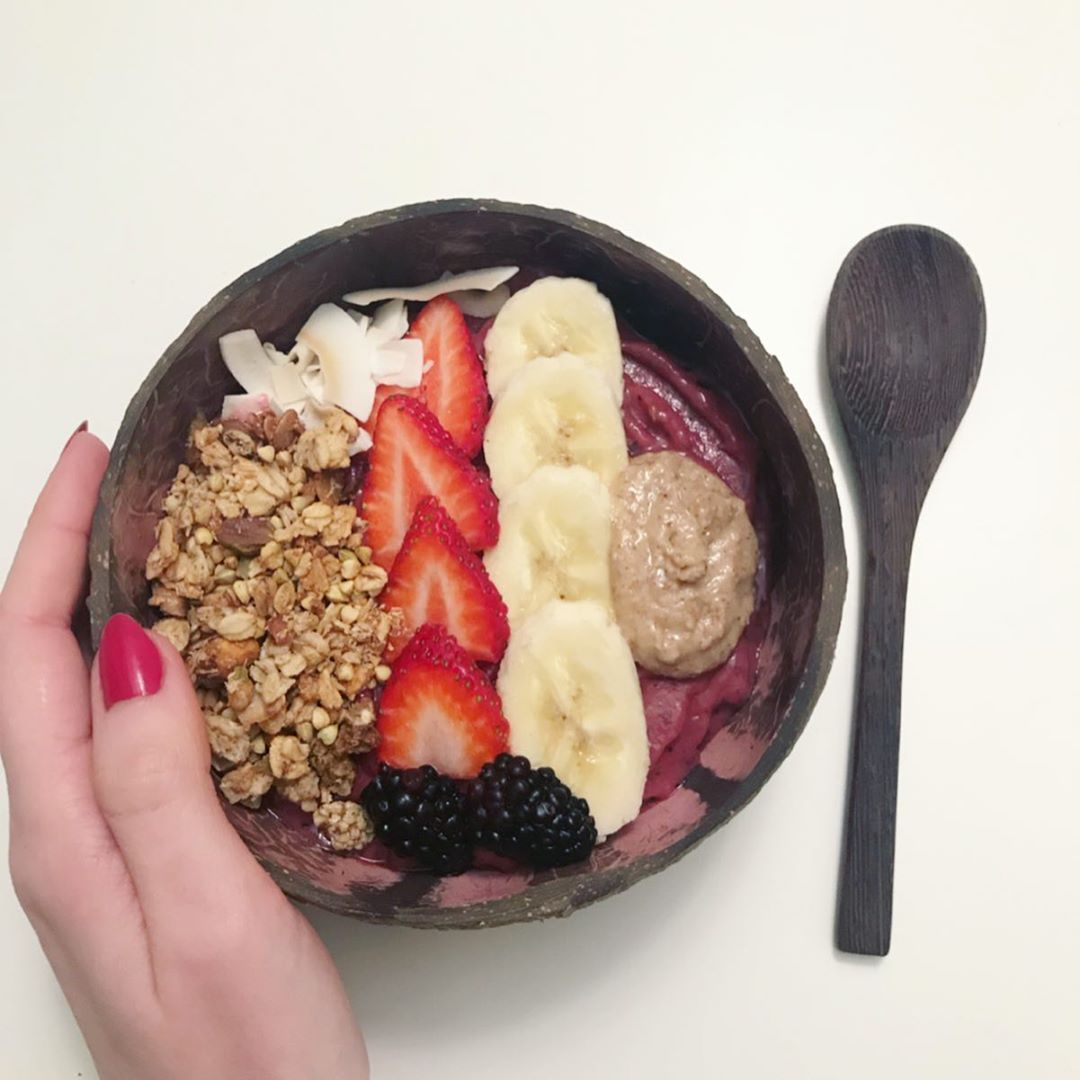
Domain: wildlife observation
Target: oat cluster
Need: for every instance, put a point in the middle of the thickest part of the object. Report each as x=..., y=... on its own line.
x=268, y=591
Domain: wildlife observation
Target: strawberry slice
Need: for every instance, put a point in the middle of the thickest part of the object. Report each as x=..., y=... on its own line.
x=453, y=387
x=437, y=579
x=382, y=392
x=413, y=456
x=438, y=709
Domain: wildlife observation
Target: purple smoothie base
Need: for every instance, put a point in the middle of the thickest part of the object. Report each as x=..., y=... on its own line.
x=664, y=409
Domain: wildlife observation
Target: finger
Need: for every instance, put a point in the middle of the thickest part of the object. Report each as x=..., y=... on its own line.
x=152, y=778
x=80, y=900
x=64, y=863
x=44, y=690
x=49, y=570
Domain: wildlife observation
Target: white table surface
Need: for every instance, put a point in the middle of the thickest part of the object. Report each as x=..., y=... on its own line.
x=148, y=159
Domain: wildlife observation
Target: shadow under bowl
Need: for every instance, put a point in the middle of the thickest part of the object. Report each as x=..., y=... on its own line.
x=665, y=304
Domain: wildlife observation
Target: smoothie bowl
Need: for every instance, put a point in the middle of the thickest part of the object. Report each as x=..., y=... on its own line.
x=506, y=562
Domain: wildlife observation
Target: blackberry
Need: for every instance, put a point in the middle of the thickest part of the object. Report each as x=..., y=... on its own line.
x=421, y=815
x=528, y=814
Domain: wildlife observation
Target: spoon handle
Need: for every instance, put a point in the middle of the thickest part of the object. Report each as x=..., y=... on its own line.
x=864, y=914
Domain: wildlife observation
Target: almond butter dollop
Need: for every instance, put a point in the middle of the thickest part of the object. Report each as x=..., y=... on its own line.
x=683, y=559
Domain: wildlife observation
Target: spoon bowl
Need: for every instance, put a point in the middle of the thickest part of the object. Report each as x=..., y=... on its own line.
x=906, y=327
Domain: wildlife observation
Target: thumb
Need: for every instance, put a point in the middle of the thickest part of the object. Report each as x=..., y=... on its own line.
x=152, y=780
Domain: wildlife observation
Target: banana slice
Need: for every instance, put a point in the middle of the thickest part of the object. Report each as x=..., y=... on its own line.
x=555, y=411
x=570, y=694
x=554, y=541
x=552, y=316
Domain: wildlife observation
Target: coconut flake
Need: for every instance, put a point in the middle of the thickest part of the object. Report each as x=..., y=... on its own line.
x=484, y=280
x=275, y=354
x=313, y=413
x=387, y=361
x=289, y=388
x=350, y=388
x=390, y=322
x=345, y=359
x=245, y=406
x=314, y=383
x=400, y=363
x=247, y=361
x=361, y=443
x=303, y=355
x=307, y=367
x=482, y=305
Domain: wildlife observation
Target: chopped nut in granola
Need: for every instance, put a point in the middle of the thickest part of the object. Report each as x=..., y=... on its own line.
x=357, y=732
x=300, y=789
x=228, y=737
x=247, y=783
x=214, y=658
x=175, y=630
x=288, y=757
x=336, y=772
x=245, y=534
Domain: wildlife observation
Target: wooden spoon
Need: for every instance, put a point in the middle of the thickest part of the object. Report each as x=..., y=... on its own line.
x=904, y=341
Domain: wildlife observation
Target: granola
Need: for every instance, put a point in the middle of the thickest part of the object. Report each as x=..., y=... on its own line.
x=268, y=591
x=345, y=824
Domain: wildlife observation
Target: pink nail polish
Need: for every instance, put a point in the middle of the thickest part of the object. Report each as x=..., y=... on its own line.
x=84, y=426
x=129, y=664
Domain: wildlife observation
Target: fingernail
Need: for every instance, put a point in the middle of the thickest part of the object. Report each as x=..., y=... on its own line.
x=84, y=426
x=129, y=664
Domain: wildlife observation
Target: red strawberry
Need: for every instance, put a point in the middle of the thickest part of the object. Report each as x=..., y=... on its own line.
x=413, y=456
x=437, y=579
x=453, y=387
x=382, y=392
x=438, y=709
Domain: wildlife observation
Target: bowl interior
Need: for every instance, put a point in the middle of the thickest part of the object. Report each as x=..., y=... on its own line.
x=663, y=303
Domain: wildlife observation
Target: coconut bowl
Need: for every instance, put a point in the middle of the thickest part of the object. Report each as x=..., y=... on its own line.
x=661, y=301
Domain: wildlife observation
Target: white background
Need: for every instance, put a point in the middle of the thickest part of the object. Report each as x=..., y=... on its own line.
x=149, y=157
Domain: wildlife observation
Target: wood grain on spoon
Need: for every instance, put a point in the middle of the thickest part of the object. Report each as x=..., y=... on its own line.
x=904, y=344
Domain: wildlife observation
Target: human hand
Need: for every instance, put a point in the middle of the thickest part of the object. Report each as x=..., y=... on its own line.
x=177, y=953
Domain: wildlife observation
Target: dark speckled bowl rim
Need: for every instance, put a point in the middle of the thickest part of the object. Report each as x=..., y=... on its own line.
x=547, y=898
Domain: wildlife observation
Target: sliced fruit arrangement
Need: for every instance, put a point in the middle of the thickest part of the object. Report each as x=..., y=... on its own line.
x=437, y=579
x=414, y=457
x=551, y=317
x=439, y=709
x=554, y=541
x=571, y=696
x=510, y=809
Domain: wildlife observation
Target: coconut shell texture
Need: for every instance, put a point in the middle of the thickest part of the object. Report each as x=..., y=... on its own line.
x=661, y=301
